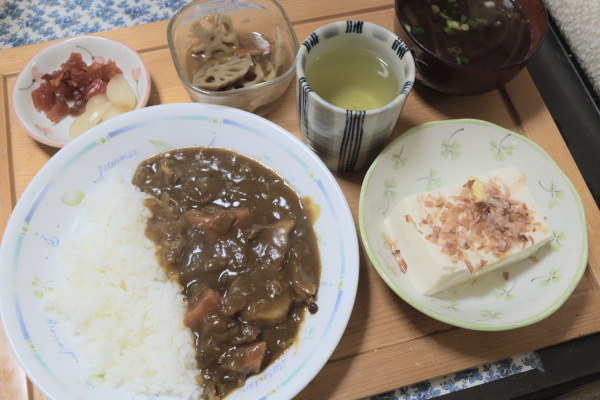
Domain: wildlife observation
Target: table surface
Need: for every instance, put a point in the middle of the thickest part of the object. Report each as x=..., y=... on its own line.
x=385, y=338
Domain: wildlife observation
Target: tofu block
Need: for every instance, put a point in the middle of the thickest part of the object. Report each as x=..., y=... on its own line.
x=451, y=235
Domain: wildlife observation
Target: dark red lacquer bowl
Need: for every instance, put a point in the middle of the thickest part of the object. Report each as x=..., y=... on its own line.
x=453, y=79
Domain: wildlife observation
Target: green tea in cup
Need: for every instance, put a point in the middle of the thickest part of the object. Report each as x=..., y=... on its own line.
x=353, y=78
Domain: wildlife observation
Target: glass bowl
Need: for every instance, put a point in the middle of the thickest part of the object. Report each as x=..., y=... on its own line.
x=264, y=18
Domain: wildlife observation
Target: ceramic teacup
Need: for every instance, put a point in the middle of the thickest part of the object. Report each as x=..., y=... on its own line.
x=348, y=139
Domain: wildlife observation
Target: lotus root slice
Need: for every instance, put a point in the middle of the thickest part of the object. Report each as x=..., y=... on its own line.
x=216, y=35
x=220, y=75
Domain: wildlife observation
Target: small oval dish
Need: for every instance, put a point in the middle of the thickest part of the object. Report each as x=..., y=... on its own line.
x=92, y=48
x=438, y=154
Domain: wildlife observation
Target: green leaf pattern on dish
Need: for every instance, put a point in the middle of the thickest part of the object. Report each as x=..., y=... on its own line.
x=453, y=305
x=73, y=198
x=554, y=192
x=162, y=146
x=501, y=150
x=450, y=147
x=432, y=181
x=553, y=276
x=399, y=160
x=39, y=288
x=309, y=336
x=555, y=242
x=389, y=194
x=505, y=292
x=489, y=314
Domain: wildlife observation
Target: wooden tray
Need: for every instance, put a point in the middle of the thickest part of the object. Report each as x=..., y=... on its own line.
x=387, y=344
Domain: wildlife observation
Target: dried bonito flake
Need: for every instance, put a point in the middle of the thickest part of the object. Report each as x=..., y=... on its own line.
x=223, y=59
x=492, y=222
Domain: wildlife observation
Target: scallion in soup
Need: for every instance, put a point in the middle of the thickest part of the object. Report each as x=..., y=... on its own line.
x=474, y=33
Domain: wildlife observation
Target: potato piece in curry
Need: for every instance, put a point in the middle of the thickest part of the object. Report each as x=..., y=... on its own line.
x=241, y=242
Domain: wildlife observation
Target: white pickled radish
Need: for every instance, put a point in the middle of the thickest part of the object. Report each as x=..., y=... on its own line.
x=95, y=107
x=98, y=102
x=120, y=93
x=111, y=112
x=84, y=122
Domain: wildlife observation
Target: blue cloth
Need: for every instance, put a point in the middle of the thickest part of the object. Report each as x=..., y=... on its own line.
x=25, y=22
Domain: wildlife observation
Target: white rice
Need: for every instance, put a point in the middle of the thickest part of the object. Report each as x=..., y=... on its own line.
x=128, y=317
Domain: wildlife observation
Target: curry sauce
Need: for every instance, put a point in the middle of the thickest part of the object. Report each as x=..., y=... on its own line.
x=241, y=242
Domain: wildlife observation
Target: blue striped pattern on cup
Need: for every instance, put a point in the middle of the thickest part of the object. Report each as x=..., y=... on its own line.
x=353, y=134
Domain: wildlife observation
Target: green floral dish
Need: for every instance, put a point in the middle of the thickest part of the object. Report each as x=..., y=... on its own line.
x=438, y=154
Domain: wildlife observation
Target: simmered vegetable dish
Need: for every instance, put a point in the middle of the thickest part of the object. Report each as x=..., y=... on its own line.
x=241, y=242
x=225, y=59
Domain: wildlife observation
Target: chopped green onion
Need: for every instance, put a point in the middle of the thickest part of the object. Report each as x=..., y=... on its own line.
x=453, y=24
x=455, y=53
x=435, y=8
x=408, y=28
x=497, y=23
x=482, y=21
x=454, y=50
x=417, y=30
x=464, y=27
x=445, y=16
x=463, y=18
x=457, y=59
x=472, y=24
x=448, y=31
x=489, y=4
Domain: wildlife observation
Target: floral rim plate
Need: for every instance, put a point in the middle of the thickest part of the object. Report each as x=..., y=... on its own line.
x=49, y=210
x=438, y=154
x=100, y=49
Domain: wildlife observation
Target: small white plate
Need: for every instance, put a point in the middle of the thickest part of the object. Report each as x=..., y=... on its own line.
x=438, y=154
x=46, y=214
x=34, y=122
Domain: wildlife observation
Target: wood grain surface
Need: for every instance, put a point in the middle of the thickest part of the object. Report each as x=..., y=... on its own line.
x=387, y=343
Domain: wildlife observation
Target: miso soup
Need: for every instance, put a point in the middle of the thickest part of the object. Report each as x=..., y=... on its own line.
x=353, y=78
x=474, y=33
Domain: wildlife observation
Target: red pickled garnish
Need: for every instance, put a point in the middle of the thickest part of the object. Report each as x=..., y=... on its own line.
x=35, y=96
x=110, y=70
x=58, y=111
x=75, y=82
x=97, y=86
